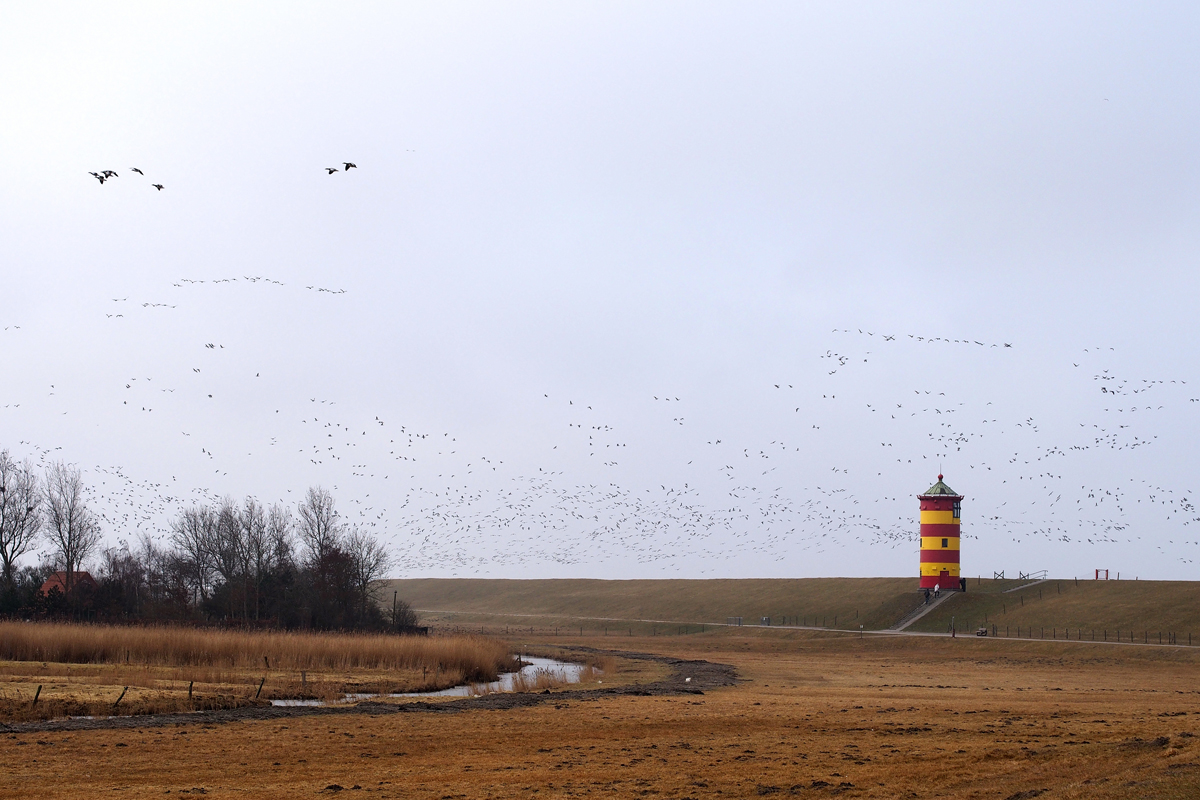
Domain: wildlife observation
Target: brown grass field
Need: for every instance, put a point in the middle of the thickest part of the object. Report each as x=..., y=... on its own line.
x=816, y=714
x=85, y=669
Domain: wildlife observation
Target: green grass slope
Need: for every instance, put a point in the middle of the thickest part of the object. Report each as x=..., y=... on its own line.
x=829, y=602
x=1143, y=607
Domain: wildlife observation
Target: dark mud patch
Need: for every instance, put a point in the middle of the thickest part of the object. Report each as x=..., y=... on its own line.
x=687, y=677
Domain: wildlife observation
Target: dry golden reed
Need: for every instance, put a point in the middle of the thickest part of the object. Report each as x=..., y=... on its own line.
x=541, y=679
x=476, y=658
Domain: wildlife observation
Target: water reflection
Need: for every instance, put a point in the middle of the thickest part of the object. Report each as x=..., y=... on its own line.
x=528, y=675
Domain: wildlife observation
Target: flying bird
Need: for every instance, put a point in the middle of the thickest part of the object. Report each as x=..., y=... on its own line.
x=331, y=170
x=350, y=165
x=157, y=186
x=138, y=171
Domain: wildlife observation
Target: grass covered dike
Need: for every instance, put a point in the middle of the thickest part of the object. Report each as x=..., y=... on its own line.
x=670, y=607
x=104, y=669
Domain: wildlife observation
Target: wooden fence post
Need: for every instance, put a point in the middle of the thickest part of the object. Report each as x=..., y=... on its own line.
x=123, y=691
x=36, y=695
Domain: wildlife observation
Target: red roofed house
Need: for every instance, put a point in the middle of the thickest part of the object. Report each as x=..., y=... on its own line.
x=58, y=580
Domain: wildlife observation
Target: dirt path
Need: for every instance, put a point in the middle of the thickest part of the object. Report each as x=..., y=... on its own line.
x=687, y=677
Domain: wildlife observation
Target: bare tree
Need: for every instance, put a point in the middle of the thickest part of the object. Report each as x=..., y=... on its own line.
x=370, y=560
x=20, y=513
x=122, y=566
x=227, y=550
x=403, y=615
x=166, y=575
x=280, y=530
x=70, y=526
x=319, y=526
x=190, y=533
x=257, y=540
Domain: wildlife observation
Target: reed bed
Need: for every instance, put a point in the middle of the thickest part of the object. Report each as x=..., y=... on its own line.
x=475, y=657
x=541, y=679
x=42, y=690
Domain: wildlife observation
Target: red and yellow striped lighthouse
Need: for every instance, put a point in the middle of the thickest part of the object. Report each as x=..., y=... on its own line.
x=940, y=510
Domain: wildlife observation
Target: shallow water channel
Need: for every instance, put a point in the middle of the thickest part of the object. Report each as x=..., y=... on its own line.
x=564, y=671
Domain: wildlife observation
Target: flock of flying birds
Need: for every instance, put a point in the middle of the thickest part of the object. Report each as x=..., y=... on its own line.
x=108, y=174
x=449, y=507
x=720, y=492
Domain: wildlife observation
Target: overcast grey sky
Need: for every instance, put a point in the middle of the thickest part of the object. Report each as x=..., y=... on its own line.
x=582, y=246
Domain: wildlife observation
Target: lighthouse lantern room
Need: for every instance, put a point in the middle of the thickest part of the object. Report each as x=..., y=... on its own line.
x=940, y=512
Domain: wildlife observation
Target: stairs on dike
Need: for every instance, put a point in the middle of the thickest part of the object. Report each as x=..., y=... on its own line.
x=920, y=611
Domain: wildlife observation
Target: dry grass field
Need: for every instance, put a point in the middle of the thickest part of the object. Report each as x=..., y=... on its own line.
x=82, y=670
x=817, y=714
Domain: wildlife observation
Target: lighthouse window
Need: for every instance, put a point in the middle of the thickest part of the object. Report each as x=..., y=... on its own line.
x=957, y=509
x=945, y=542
